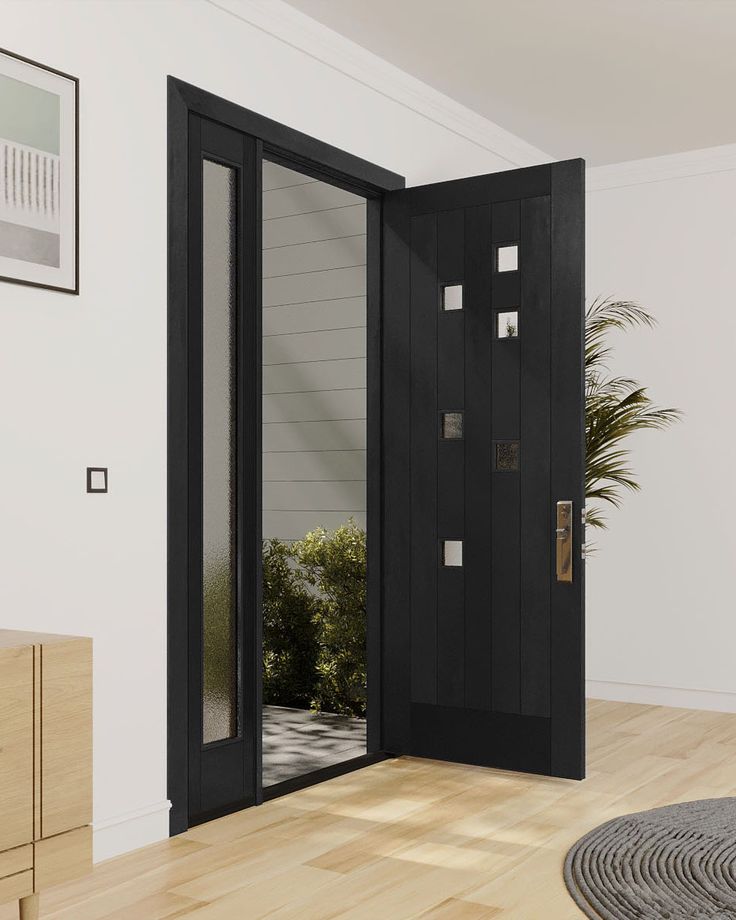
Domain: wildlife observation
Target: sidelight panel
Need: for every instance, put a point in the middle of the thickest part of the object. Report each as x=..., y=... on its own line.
x=219, y=286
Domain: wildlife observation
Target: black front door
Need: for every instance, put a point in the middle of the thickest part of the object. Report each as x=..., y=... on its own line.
x=483, y=436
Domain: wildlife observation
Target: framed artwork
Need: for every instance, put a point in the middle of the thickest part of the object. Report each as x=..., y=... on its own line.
x=39, y=181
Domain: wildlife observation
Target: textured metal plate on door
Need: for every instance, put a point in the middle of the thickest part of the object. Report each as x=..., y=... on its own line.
x=564, y=541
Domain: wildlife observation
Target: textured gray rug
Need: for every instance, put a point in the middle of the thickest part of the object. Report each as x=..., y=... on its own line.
x=673, y=863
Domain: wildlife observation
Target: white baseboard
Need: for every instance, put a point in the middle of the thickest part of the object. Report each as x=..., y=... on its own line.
x=650, y=695
x=121, y=834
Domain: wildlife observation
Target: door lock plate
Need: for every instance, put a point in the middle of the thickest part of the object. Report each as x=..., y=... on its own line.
x=563, y=540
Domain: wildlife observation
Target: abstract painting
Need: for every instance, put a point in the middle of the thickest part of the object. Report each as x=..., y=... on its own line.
x=38, y=175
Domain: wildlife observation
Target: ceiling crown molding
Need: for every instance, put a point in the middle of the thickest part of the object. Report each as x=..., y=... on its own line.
x=289, y=25
x=661, y=169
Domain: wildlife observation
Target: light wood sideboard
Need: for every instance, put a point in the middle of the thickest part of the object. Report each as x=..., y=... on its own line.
x=45, y=764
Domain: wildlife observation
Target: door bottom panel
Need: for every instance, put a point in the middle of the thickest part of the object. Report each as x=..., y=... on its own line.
x=474, y=736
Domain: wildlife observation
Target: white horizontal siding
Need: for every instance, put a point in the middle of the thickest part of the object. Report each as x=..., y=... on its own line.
x=314, y=317
x=317, y=405
x=293, y=525
x=314, y=355
x=314, y=466
x=320, y=225
x=348, y=497
x=308, y=287
x=275, y=176
x=308, y=347
x=345, y=434
x=311, y=257
x=317, y=375
x=305, y=198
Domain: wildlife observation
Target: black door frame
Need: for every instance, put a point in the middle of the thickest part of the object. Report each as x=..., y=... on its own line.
x=322, y=161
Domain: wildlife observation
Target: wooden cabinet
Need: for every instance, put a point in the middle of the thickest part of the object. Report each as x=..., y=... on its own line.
x=16, y=746
x=45, y=763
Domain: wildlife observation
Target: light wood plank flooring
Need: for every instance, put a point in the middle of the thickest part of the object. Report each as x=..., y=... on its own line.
x=413, y=838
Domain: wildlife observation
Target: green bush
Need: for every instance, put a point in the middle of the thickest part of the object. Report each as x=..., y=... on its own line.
x=314, y=621
x=334, y=565
x=290, y=631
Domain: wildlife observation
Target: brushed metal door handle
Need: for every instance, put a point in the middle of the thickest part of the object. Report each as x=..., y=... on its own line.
x=563, y=534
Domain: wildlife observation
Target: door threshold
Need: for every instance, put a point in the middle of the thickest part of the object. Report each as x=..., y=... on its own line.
x=319, y=776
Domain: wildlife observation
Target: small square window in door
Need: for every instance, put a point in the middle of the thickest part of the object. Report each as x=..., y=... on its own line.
x=507, y=257
x=506, y=456
x=452, y=297
x=451, y=426
x=507, y=325
x=452, y=553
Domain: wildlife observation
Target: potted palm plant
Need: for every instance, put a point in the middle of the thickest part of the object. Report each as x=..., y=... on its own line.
x=615, y=408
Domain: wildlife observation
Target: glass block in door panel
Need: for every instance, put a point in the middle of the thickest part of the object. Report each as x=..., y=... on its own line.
x=452, y=553
x=219, y=282
x=452, y=297
x=507, y=456
x=507, y=258
x=507, y=325
x=452, y=426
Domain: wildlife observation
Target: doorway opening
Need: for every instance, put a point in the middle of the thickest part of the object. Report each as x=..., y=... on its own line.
x=365, y=458
x=314, y=473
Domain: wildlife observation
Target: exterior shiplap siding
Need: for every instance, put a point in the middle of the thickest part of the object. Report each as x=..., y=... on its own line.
x=314, y=355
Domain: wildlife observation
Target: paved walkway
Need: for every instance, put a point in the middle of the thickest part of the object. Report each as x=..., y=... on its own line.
x=296, y=741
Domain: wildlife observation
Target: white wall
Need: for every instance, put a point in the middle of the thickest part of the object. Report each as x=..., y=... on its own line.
x=661, y=609
x=83, y=379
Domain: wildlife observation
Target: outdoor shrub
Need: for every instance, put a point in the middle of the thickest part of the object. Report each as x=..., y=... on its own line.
x=290, y=630
x=334, y=565
x=314, y=621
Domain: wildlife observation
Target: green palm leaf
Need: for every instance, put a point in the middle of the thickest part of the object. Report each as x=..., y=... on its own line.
x=615, y=407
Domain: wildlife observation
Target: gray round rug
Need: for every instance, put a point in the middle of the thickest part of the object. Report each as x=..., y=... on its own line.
x=673, y=863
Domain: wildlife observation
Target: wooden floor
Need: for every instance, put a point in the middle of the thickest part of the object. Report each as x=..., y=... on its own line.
x=413, y=838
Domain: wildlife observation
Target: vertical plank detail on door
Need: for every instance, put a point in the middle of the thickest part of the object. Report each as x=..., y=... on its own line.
x=424, y=545
x=536, y=527
x=67, y=736
x=477, y=442
x=16, y=746
x=567, y=634
x=505, y=425
x=450, y=488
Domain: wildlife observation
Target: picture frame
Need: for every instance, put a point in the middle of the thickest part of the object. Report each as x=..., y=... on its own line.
x=39, y=175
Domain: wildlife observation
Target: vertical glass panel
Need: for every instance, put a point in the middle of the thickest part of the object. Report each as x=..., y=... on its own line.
x=219, y=281
x=507, y=325
x=507, y=456
x=452, y=553
x=315, y=447
x=507, y=258
x=452, y=426
x=452, y=297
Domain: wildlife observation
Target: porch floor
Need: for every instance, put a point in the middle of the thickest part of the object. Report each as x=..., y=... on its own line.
x=296, y=741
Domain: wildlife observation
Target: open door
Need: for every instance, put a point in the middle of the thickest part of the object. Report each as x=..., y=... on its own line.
x=483, y=461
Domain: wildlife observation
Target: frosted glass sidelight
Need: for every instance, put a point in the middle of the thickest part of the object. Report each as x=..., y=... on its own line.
x=219, y=286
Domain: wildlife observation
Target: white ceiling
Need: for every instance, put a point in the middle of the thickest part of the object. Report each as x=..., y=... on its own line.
x=609, y=80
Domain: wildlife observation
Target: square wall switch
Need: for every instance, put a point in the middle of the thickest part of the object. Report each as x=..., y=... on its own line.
x=97, y=479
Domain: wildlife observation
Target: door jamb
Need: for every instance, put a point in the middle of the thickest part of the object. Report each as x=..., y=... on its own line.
x=322, y=161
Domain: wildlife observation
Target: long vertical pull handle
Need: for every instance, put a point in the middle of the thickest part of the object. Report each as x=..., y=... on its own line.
x=564, y=541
